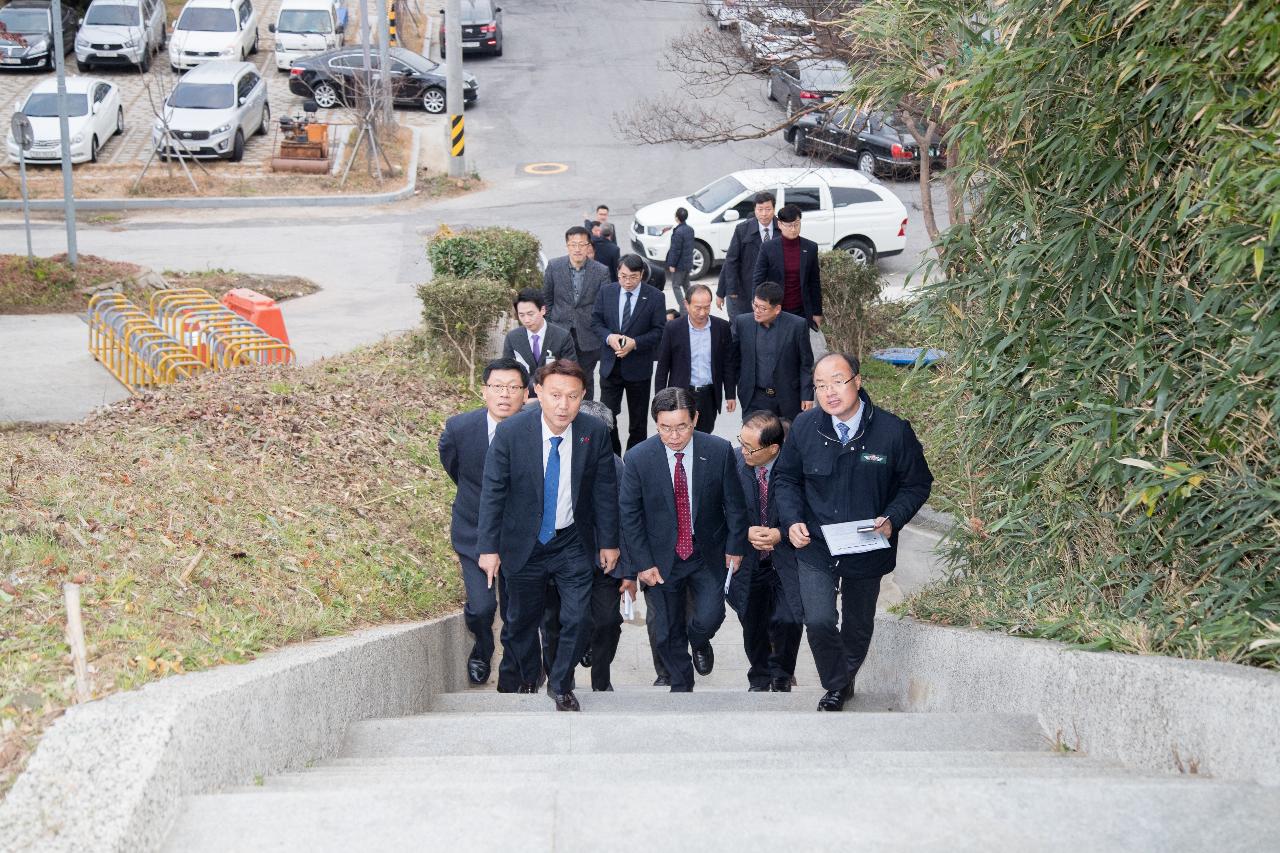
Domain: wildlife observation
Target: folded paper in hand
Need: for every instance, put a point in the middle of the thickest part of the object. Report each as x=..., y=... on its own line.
x=627, y=606
x=845, y=538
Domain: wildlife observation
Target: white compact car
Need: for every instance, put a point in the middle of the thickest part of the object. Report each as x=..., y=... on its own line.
x=213, y=29
x=94, y=115
x=841, y=209
x=211, y=111
x=776, y=34
x=121, y=32
x=306, y=28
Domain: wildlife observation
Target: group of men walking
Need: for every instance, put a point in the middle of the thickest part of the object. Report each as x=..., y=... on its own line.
x=552, y=527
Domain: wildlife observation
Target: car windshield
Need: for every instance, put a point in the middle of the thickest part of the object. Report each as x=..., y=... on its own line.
x=203, y=96
x=45, y=105
x=305, y=21
x=716, y=195
x=25, y=20
x=207, y=20
x=824, y=78
x=113, y=15
x=477, y=13
x=792, y=30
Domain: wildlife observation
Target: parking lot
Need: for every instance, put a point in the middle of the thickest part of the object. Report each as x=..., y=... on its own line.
x=142, y=94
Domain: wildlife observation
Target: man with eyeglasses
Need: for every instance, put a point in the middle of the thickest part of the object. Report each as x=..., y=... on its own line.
x=845, y=461
x=550, y=498
x=773, y=357
x=684, y=523
x=766, y=593
x=570, y=285
x=463, y=446
x=793, y=262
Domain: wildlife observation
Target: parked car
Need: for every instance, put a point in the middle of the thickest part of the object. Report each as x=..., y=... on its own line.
x=307, y=28
x=26, y=33
x=802, y=83
x=481, y=28
x=213, y=29
x=94, y=115
x=211, y=111
x=874, y=141
x=776, y=34
x=333, y=78
x=121, y=32
x=728, y=13
x=842, y=208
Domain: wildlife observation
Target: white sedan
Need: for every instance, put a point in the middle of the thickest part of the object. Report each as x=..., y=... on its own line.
x=94, y=115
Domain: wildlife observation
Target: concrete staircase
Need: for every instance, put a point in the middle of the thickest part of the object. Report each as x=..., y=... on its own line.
x=719, y=769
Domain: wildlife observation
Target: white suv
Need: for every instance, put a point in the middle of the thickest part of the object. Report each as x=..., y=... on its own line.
x=211, y=111
x=121, y=32
x=842, y=209
x=213, y=29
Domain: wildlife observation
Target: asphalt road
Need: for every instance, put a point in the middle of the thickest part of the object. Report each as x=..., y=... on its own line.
x=568, y=66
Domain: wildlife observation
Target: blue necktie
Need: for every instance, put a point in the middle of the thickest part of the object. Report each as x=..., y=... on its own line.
x=843, y=429
x=550, y=492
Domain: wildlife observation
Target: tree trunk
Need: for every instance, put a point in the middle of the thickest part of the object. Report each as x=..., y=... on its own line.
x=925, y=138
x=955, y=198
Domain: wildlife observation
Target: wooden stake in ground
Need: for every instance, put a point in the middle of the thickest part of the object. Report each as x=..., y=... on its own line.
x=75, y=639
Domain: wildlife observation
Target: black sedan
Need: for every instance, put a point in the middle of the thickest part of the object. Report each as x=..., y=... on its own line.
x=26, y=33
x=481, y=28
x=802, y=83
x=335, y=78
x=875, y=141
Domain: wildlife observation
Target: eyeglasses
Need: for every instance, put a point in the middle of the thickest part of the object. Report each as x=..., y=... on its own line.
x=678, y=429
x=578, y=244
x=824, y=387
x=505, y=390
x=749, y=451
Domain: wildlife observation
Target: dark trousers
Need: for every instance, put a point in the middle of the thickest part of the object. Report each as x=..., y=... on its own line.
x=762, y=402
x=483, y=603
x=770, y=631
x=606, y=627
x=676, y=633
x=563, y=561
x=587, y=360
x=612, y=388
x=839, y=641
x=680, y=288
x=735, y=305
x=651, y=628
x=705, y=395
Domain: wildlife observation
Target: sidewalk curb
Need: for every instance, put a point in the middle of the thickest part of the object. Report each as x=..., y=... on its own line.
x=228, y=202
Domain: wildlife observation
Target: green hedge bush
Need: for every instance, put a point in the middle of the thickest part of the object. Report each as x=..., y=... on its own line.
x=459, y=317
x=506, y=255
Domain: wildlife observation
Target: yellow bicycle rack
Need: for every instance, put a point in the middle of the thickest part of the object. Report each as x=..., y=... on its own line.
x=133, y=348
x=215, y=334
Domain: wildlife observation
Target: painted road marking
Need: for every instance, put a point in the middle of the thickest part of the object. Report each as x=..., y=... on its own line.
x=544, y=168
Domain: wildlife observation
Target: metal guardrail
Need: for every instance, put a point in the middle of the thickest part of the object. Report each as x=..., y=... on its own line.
x=133, y=347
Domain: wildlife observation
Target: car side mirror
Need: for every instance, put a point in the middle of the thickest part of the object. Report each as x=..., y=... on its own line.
x=271, y=28
x=80, y=23
x=732, y=215
x=244, y=101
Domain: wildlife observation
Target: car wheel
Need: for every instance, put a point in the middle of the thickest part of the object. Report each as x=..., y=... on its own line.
x=164, y=39
x=237, y=147
x=325, y=96
x=82, y=66
x=433, y=100
x=859, y=249
x=800, y=142
x=119, y=120
x=792, y=106
x=254, y=49
x=175, y=69
x=266, y=119
x=145, y=65
x=93, y=149
x=867, y=164
x=498, y=52
x=701, y=259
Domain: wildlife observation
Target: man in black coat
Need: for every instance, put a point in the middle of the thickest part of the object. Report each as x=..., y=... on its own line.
x=570, y=285
x=606, y=249
x=737, y=274
x=536, y=342
x=766, y=592
x=628, y=321
x=463, y=446
x=697, y=352
x=684, y=523
x=773, y=356
x=792, y=261
x=550, y=499
x=846, y=461
x=680, y=256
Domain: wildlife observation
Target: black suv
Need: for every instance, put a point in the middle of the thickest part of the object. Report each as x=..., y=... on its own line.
x=481, y=28
x=26, y=33
x=332, y=79
x=874, y=141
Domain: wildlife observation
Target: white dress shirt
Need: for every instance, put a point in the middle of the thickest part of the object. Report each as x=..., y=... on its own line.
x=854, y=420
x=564, y=496
x=542, y=339
x=622, y=302
x=688, y=471
x=766, y=231
x=493, y=425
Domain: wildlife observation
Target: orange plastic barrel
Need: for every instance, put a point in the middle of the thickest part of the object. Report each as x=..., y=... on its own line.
x=261, y=311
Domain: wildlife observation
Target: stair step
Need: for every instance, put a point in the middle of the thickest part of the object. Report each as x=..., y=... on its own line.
x=654, y=700
x=764, y=731
x=896, y=814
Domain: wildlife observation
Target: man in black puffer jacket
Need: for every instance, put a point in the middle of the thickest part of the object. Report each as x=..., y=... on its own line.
x=845, y=461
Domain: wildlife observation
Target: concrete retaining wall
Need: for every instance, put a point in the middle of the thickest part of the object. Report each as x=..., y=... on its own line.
x=110, y=775
x=1163, y=713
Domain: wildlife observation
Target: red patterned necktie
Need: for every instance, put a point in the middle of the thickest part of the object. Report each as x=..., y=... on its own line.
x=764, y=496
x=684, y=518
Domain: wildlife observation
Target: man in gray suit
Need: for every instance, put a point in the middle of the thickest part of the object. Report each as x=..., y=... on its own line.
x=536, y=342
x=569, y=288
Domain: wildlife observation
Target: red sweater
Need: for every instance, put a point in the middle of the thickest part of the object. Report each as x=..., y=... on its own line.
x=792, y=299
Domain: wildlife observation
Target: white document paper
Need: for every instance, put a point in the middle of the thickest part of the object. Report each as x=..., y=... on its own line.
x=846, y=539
x=728, y=579
x=627, y=607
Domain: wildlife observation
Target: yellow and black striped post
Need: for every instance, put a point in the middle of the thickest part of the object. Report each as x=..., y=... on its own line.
x=391, y=24
x=458, y=143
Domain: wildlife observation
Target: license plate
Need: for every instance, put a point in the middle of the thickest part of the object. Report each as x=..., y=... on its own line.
x=471, y=44
x=104, y=54
x=44, y=155
x=933, y=152
x=8, y=61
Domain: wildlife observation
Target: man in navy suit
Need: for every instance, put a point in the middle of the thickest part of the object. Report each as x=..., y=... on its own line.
x=774, y=357
x=680, y=256
x=697, y=352
x=549, y=499
x=463, y=446
x=684, y=522
x=536, y=342
x=737, y=274
x=628, y=320
x=793, y=262
x=606, y=249
x=766, y=592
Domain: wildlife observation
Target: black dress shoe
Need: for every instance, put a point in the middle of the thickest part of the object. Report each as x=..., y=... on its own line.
x=662, y=681
x=478, y=670
x=704, y=658
x=527, y=688
x=566, y=701
x=586, y=658
x=833, y=700
x=608, y=688
x=758, y=688
x=781, y=685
